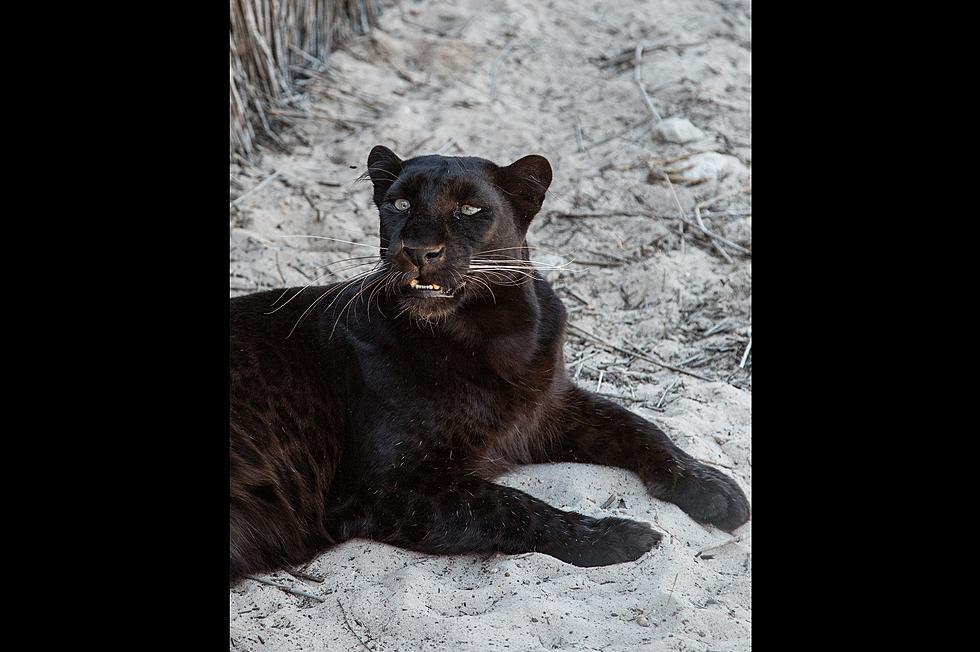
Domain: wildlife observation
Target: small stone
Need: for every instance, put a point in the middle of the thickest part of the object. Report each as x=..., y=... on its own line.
x=712, y=165
x=507, y=574
x=677, y=130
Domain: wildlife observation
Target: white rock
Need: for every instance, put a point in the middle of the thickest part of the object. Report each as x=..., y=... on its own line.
x=677, y=130
x=711, y=165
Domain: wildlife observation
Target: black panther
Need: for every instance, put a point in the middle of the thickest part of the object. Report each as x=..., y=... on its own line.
x=384, y=406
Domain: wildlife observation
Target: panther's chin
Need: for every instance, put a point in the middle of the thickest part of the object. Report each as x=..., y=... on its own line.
x=428, y=309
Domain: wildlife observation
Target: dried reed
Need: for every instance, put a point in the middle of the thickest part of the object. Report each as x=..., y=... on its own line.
x=271, y=43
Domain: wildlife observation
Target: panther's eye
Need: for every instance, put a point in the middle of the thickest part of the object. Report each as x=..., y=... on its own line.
x=402, y=204
x=466, y=209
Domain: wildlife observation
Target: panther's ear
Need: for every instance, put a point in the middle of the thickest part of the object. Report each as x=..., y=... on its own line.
x=383, y=167
x=525, y=182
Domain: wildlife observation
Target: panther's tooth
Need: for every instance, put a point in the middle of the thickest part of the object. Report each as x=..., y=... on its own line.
x=413, y=282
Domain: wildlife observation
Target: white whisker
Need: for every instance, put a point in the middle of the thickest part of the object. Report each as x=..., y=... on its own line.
x=323, y=237
x=341, y=286
x=312, y=283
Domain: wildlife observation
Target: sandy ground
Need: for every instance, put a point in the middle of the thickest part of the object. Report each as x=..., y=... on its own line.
x=501, y=79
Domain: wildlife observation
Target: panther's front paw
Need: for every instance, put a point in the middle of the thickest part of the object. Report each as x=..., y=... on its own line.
x=606, y=541
x=708, y=496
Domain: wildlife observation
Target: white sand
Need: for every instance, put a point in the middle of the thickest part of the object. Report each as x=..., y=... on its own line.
x=513, y=78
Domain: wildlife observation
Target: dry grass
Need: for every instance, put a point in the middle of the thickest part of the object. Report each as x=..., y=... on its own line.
x=272, y=43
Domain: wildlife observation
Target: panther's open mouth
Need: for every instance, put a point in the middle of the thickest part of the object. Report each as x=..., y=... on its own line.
x=429, y=290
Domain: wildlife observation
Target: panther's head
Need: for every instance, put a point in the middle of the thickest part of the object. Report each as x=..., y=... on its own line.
x=454, y=227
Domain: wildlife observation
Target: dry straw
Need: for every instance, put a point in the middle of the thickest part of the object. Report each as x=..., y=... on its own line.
x=271, y=43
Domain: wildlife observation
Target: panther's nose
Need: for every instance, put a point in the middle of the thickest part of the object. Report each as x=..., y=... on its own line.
x=422, y=255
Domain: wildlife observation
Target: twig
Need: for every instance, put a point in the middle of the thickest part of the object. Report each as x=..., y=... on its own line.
x=664, y=395
x=745, y=356
x=435, y=30
x=637, y=64
x=720, y=102
x=709, y=202
x=620, y=397
x=269, y=178
x=680, y=209
x=446, y=147
x=671, y=594
x=644, y=121
x=287, y=589
x=663, y=162
x=708, y=215
x=279, y=267
x=301, y=574
x=607, y=254
x=700, y=225
x=598, y=263
x=710, y=234
x=301, y=272
x=581, y=363
x=258, y=237
x=697, y=213
x=576, y=295
x=714, y=243
x=736, y=539
x=424, y=28
x=725, y=241
x=623, y=57
x=604, y=214
x=347, y=620
x=724, y=325
x=309, y=200
x=639, y=354
x=656, y=519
